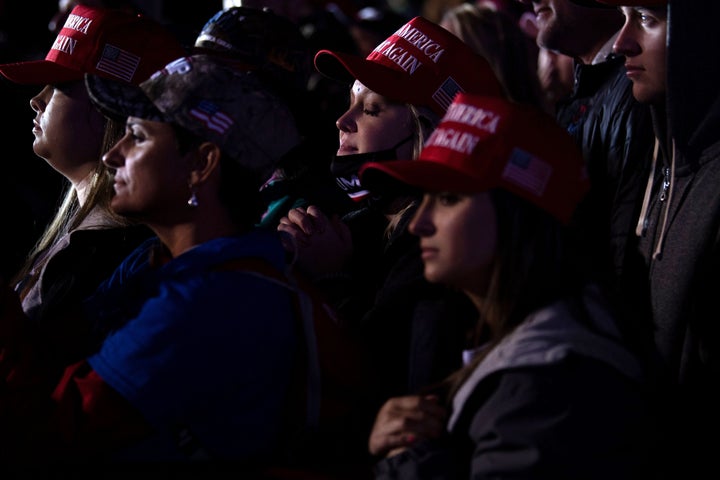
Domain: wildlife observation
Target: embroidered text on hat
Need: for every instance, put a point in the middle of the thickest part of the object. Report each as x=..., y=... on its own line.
x=488, y=142
x=109, y=43
x=421, y=63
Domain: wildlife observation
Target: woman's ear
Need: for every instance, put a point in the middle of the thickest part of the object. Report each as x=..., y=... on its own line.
x=206, y=162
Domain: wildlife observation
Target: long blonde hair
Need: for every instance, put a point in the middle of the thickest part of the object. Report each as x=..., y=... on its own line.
x=71, y=214
x=424, y=121
x=495, y=36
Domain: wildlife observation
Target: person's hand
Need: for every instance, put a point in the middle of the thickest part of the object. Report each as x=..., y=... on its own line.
x=403, y=421
x=321, y=244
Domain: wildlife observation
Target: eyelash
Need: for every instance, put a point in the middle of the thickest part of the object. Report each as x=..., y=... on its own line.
x=448, y=199
x=372, y=113
x=645, y=19
x=135, y=136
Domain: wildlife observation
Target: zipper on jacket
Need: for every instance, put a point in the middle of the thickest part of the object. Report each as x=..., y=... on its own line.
x=665, y=185
x=642, y=223
x=666, y=194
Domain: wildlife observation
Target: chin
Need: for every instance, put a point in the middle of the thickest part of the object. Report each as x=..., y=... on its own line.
x=124, y=210
x=433, y=276
x=646, y=95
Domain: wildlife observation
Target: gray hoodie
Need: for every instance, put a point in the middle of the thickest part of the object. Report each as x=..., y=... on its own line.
x=560, y=398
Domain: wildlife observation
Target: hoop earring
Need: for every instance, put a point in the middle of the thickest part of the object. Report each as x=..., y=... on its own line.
x=192, y=201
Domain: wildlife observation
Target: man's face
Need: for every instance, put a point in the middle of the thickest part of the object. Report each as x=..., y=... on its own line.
x=643, y=42
x=571, y=29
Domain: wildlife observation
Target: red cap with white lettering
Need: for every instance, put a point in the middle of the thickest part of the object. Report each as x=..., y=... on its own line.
x=108, y=43
x=484, y=143
x=421, y=63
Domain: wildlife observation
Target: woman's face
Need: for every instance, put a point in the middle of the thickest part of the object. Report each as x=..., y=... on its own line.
x=151, y=175
x=643, y=42
x=68, y=130
x=373, y=123
x=458, y=239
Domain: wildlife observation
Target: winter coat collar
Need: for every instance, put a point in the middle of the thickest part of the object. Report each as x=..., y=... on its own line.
x=549, y=336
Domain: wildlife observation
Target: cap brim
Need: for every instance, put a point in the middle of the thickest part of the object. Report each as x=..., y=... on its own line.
x=378, y=78
x=120, y=100
x=421, y=174
x=39, y=72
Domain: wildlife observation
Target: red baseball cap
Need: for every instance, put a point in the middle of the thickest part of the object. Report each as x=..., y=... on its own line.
x=104, y=42
x=421, y=63
x=484, y=143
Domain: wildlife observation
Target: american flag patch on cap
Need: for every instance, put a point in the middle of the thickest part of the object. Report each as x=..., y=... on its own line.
x=214, y=119
x=527, y=171
x=446, y=93
x=118, y=62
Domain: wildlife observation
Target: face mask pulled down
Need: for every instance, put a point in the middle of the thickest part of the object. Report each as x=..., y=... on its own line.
x=345, y=168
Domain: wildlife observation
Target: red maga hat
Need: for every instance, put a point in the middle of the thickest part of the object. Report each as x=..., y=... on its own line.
x=421, y=63
x=484, y=143
x=108, y=43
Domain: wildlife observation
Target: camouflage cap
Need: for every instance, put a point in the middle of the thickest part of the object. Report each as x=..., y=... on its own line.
x=222, y=105
x=258, y=39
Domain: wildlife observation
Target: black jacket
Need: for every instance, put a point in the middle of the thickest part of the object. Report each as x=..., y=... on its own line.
x=615, y=134
x=71, y=275
x=415, y=330
x=554, y=400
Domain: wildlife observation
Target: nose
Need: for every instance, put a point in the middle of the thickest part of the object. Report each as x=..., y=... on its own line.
x=625, y=43
x=39, y=101
x=346, y=122
x=421, y=225
x=35, y=104
x=114, y=158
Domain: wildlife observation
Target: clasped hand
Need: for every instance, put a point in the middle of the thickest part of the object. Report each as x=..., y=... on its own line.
x=402, y=421
x=321, y=245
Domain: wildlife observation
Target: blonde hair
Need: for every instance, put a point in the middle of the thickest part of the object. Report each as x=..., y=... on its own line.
x=71, y=214
x=495, y=36
x=424, y=121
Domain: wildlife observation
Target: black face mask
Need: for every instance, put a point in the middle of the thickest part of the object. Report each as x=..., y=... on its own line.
x=345, y=168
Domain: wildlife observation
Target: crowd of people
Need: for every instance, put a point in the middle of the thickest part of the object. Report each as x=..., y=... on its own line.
x=353, y=240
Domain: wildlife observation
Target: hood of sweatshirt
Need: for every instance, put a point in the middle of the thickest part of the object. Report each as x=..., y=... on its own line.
x=689, y=121
x=549, y=336
x=693, y=82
